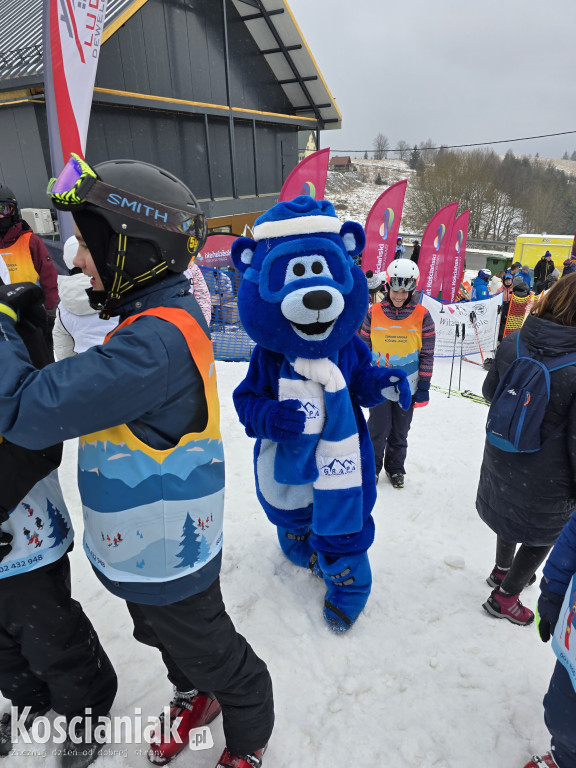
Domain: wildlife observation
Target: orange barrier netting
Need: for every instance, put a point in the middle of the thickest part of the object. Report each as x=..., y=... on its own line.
x=518, y=311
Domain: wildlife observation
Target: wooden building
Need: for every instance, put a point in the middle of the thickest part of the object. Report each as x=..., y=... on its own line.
x=215, y=91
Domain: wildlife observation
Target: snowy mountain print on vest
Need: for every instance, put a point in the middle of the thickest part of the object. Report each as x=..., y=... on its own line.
x=145, y=519
x=145, y=510
x=41, y=527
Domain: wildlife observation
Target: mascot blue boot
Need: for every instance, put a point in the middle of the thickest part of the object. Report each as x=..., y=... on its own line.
x=302, y=300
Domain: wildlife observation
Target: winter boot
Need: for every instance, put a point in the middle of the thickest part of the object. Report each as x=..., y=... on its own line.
x=228, y=760
x=195, y=710
x=397, y=480
x=296, y=546
x=509, y=607
x=349, y=581
x=6, y=744
x=542, y=761
x=499, y=574
x=84, y=750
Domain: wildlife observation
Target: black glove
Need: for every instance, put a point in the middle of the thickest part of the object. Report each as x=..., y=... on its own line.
x=549, y=605
x=26, y=300
x=5, y=544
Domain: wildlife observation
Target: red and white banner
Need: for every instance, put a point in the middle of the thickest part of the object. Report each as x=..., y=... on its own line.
x=72, y=34
x=454, y=259
x=307, y=178
x=216, y=253
x=433, y=249
x=382, y=227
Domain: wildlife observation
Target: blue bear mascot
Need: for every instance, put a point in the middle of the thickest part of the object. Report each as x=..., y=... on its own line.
x=302, y=300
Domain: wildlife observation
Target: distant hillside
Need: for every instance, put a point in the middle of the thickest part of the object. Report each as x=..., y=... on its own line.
x=353, y=193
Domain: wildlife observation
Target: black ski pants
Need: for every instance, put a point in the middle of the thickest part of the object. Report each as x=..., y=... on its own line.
x=388, y=426
x=202, y=649
x=522, y=564
x=50, y=654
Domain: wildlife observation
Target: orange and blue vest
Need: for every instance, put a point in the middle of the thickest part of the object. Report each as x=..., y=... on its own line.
x=155, y=515
x=396, y=343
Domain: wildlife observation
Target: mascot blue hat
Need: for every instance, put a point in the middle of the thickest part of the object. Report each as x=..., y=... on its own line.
x=301, y=295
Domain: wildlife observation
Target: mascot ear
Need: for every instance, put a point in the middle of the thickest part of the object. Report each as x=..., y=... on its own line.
x=242, y=252
x=354, y=238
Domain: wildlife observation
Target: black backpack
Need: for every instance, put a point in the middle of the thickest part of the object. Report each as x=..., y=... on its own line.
x=519, y=403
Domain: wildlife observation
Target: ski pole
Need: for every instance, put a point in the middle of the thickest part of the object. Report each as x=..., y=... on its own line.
x=473, y=321
x=461, y=354
x=453, y=354
x=496, y=329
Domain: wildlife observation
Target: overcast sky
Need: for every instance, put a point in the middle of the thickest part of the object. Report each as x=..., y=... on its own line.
x=454, y=71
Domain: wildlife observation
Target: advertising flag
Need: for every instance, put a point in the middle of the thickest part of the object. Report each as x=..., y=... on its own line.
x=434, y=245
x=382, y=227
x=217, y=252
x=454, y=260
x=72, y=35
x=308, y=177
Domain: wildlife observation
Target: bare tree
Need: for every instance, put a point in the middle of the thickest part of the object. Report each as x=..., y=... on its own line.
x=427, y=151
x=403, y=149
x=381, y=146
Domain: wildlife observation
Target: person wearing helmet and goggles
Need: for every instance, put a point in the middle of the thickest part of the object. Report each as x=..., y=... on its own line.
x=400, y=334
x=147, y=396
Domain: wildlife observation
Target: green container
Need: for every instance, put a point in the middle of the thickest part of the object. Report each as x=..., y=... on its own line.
x=498, y=263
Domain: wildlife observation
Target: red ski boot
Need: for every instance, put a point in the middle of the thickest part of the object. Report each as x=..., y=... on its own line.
x=228, y=760
x=543, y=761
x=196, y=709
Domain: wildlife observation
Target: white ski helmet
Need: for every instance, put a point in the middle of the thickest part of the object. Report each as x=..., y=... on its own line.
x=402, y=274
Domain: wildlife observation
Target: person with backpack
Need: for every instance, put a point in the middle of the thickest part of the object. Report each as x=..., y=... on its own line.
x=530, y=447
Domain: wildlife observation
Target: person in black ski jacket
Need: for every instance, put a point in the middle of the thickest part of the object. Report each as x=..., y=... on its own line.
x=542, y=271
x=526, y=498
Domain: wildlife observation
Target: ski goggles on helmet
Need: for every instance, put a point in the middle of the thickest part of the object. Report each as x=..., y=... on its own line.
x=78, y=184
x=402, y=283
x=7, y=209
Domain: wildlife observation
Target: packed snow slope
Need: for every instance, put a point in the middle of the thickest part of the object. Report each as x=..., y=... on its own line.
x=424, y=678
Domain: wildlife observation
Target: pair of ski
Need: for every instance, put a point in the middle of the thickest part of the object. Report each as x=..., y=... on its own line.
x=466, y=393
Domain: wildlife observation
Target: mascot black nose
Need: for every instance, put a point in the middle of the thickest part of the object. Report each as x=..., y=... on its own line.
x=317, y=300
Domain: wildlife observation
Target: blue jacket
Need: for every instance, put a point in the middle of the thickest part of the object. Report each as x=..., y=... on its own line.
x=561, y=564
x=479, y=290
x=143, y=377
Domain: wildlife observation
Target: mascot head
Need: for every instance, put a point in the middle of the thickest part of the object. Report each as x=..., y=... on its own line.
x=301, y=295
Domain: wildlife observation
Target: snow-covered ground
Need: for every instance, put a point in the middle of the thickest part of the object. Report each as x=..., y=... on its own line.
x=425, y=677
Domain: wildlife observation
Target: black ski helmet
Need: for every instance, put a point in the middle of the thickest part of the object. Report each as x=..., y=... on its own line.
x=8, y=196
x=131, y=251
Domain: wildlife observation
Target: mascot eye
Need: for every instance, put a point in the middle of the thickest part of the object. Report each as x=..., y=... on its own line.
x=299, y=270
x=317, y=267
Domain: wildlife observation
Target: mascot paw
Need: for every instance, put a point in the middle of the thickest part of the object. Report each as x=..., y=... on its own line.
x=349, y=581
x=285, y=421
x=297, y=547
x=395, y=387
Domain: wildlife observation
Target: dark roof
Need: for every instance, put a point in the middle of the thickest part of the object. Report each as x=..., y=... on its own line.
x=340, y=161
x=21, y=36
